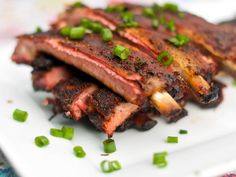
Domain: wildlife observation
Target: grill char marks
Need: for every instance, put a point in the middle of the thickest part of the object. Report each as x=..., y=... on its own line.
x=155, y=42
x=73, y=53
x=47, y=80
x=73, y=95
x=81, y=97
x=121, y=77
x=219, y=40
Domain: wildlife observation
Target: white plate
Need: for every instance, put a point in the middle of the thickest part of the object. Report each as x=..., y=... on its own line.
x=207, y=150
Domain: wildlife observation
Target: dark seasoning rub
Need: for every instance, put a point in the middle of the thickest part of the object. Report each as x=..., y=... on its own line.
x=118, y=67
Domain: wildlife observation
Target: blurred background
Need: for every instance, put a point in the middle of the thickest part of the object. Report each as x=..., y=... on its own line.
x=20, y=16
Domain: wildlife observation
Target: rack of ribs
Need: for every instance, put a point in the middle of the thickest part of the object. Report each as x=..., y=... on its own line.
x=86, y=79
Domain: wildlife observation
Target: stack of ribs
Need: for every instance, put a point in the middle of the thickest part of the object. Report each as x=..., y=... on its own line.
x=88, y=81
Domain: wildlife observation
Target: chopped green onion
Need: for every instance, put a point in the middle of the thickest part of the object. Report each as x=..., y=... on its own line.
x=181, y=131
x=130, y=24
x=128, y=20
x=65, y=132
x=56, y=132
x=110, y=166
x=77, y=32
x=170, y=7
x=77, y=4
x=234, y=82
x=106, y=166
x=38, y=29
x=65, y=31
x=121, y=51
x=85, y=22
x=19, y=115
x=96, y=27
x=162, y=20
x=155, y=23
x=170, y=25
x=148, y=12
x=41, y=141
x=181, y=14
x=179, y=40
x=159, y=159
x=172, y=139
x=68, y=132
x=115, y=8
x=109, y=146
x=106, y=34
x=127, y=16
x=165, y=58
x=115, y=165
x=89, y=24
x=79, y=152
x=156, y=7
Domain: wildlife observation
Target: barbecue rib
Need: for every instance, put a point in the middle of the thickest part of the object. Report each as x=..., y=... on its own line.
x=78, y=97
x=154, y=42
x=141, y=86
x=126, y=78
x=217, y=39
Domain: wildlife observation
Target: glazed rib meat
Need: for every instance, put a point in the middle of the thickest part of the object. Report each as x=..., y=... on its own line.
x=194, y=71
x=135, y=83
x=217, y=39
x=88, y=80
x=77, y=98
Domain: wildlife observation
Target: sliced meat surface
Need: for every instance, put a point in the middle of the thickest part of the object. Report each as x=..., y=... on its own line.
x=81, y=97
x=155, y=42
x=126, y=78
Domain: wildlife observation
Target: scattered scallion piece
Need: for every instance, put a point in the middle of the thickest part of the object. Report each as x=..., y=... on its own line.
x=172, y=139
x=110, y=166
x=179, y=40
x=156, y=7
x=109, y=146
x=128, y=20
x=121, y=51
x=77, y=32
x=64, y=132
x=19, y=115
x=96, y=27
x=170, y=25
x=148, y=12
x=127, y=16
x=77, y=4
x=56, y=132
x=85, y=22
x=115, y=165
x=38, y=29
x=115, y=8
x=162, y=20
x=181, y=131
x=181, y=14
x=106, y=166
x=79, y=151
x=165, y=58
x=234, y=82
x=41, y=141
x=159, y=159
x=155, y=23
x=106, y=34
x=170, y=7
x=65, y=31
x=68, y=132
